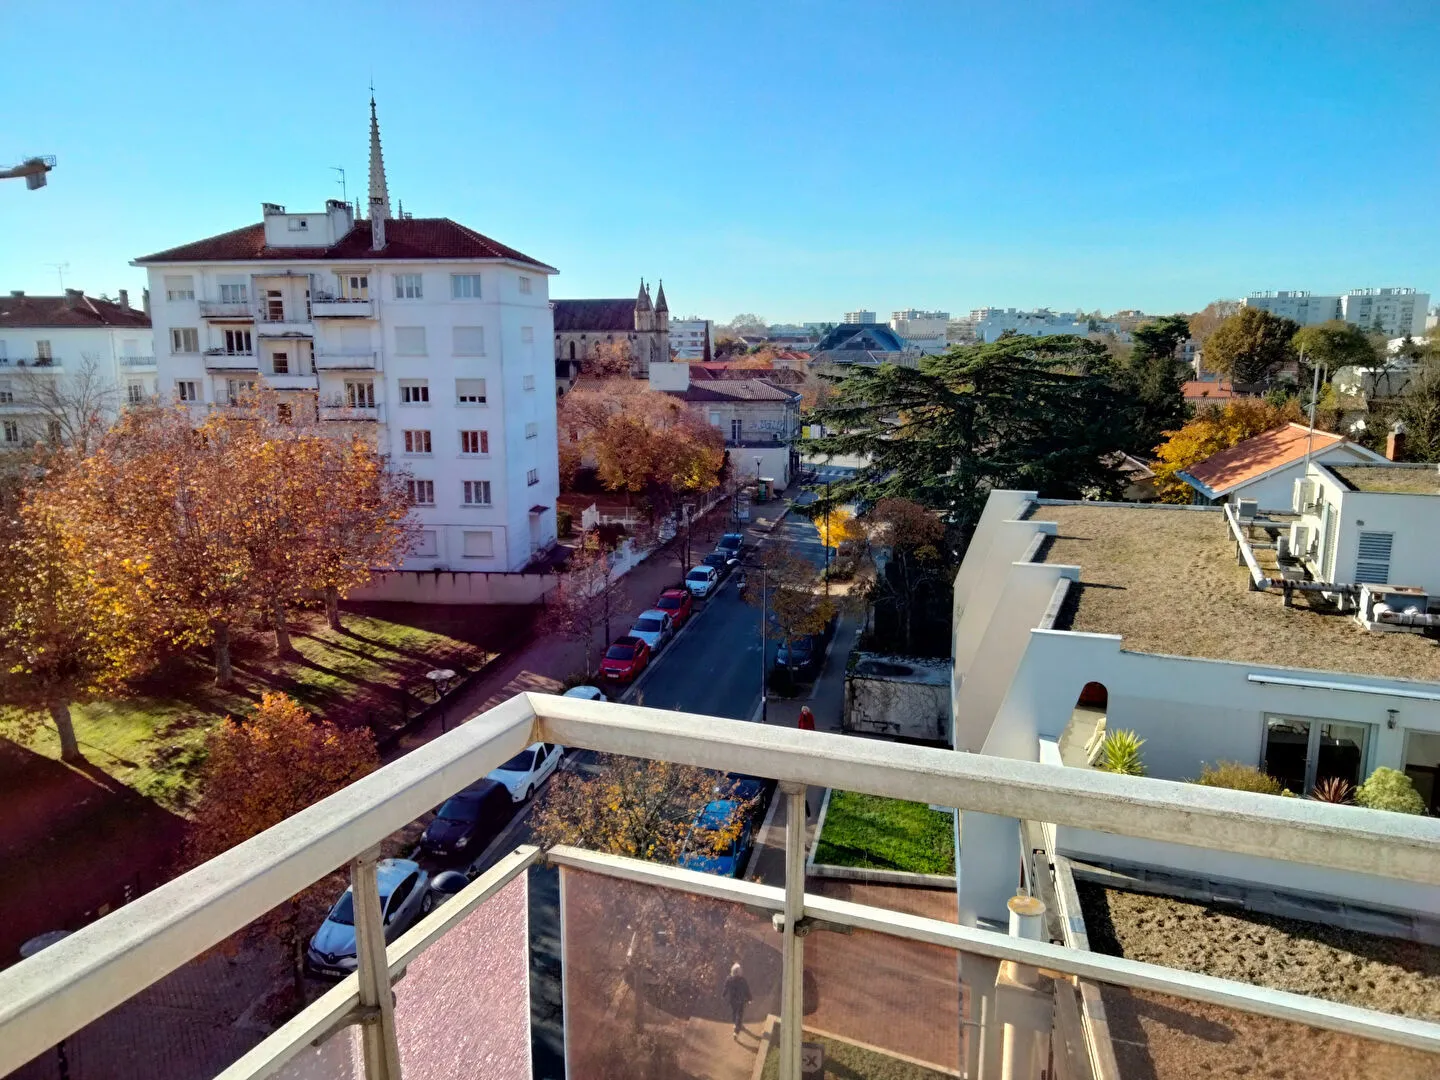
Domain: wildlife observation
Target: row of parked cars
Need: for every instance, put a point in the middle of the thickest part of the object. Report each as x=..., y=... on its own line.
x=631, y=653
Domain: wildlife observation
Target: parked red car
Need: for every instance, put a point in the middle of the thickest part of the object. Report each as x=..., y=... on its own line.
x=625, y=659
x=678, y=603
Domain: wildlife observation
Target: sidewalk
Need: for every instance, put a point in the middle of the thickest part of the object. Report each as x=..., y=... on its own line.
x=549, y=659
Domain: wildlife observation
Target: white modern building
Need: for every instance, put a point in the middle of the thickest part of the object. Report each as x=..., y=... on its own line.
x=1305, y=308
x=923, y=329
x=862, y=317
x=989, y=323
x=51, y=343
x=423, y=331
x=1393, y=312
x=691, y=339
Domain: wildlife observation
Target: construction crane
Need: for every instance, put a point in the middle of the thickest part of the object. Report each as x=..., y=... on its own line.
x=32, y=169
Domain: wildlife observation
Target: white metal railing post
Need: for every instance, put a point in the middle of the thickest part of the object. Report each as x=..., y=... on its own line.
x=381, y=1048
x=792, y=948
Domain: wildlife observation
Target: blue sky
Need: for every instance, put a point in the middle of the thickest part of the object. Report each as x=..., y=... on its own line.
x=795, y=159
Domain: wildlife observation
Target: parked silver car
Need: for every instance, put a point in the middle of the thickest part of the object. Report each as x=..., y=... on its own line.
x=404, y=897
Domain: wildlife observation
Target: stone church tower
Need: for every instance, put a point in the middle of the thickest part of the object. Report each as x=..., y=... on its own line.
x=582, y=326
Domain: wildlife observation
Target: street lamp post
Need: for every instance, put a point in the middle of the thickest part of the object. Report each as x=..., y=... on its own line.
x=764, y=671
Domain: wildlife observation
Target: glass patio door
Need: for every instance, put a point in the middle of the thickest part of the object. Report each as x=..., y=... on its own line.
x=1302, y=752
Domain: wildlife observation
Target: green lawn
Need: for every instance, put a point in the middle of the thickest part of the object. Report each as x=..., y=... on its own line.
x=153, y=742
x=886, y=834
x=846, y=1061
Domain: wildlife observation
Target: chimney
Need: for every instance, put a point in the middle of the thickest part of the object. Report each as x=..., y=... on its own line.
x=377, y=223
x=73, y=298
x=125, y=299
x=1395, y=442
x=145, y=300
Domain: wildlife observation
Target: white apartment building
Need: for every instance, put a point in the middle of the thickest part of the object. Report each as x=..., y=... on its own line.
x=691, y=339
x=861, y=318
x=48, y=340
x=1304, y=308
x=1393, y=312
x=923, y=329
x=990, y=323
x=420, y=330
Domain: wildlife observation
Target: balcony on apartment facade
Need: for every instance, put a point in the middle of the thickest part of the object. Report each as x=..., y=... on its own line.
x=346, y=360
x=231, y=311
x=291, y=381
x=334, y=409
x=341, y=307
x=220, y=359
x=42, y=364
x=644, y=948
x=138, y=363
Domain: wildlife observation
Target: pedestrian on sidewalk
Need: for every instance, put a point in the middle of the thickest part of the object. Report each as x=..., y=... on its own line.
x=807, y=719
x=736, y=995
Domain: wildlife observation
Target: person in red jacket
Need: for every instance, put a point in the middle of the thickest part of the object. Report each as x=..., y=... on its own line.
x=807, y=719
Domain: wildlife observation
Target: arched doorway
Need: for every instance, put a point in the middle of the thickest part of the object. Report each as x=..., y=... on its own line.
x=1080, y=742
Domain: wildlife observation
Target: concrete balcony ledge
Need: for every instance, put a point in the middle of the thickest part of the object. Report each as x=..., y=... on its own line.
x=341, y=308
x=332, y=360
x=133, y=362
x=292, y=382
x=371, y=413
x=214, y=309
x=223, y=361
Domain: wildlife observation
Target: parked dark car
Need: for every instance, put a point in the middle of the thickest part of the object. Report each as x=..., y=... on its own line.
x=722, y=562
x=731, y=544
x=805, y=653
x=468, y=820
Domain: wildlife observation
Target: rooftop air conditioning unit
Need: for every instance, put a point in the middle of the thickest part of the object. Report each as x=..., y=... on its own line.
x=1246, y=509
x=1305, y=496
x=1300, y=540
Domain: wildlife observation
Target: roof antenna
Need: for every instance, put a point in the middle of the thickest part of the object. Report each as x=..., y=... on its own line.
x=344, y=196
x=60, y=269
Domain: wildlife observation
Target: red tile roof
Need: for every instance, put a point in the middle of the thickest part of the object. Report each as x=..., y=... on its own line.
x=1197, y=391
x=76, y=310
x=1254, y=457
x=405, y=238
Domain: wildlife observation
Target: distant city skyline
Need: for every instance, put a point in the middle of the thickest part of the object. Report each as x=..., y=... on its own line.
x=1157, y=179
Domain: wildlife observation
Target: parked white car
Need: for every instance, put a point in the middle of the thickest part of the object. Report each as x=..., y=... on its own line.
x=654, y=627
x=528, y=769
x=701, y=580
x=585, y=693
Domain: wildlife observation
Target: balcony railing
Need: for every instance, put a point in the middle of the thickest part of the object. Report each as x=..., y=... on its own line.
x=341, y=307
x=216, y=309
x=654, y=936
x=137, y=361
x=337, y=360
x=35, y=363
x=341, y=411
x=221, y=360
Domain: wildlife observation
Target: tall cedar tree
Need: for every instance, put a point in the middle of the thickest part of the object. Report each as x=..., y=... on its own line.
x=1155, y=377
x=263, y=770
x=1042, y=414
x=71, y=626
x=1251, y=346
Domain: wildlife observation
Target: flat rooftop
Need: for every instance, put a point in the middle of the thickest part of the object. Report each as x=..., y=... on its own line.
x=1167, y=581
x=1390, y=479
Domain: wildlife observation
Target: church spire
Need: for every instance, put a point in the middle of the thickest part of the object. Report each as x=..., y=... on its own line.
x=642, y=302
x=379, y=193
x=660, y=304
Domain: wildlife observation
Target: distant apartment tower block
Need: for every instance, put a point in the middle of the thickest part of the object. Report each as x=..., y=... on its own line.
x=1305, y=308
x=924, y=329
x=1393, y=312
x=691, y=339
x=861, y=318
x=426, y=335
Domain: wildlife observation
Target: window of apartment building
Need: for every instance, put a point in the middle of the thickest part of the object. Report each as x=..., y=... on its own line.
x=12, y=431
x=234, y=292
x=359, y=394
x=474, y=442
x=184, y=339
x=527, y=335
x=524, y=284
x=470, y=391
x=179, y=287
x=469, y=341
x=415, y=391
x=4, y=353
x=735, y=428
x=280, y=363
x=532, y=477
x=714, y=419
x=235, y=389
x=479, y=545
x=7, y=392
x=527, y=382
x=284, y=413
x=477, y=492
x=421, y=492
x=187, y=390
x=532, y=430
x=238, y=343
x=417, y=442
x=409, y=287
x=274, y=306
x=409, y=341
x=465, y=286
x=52, y=432
x=134, y=393
x=427, y=544
x=43, y=351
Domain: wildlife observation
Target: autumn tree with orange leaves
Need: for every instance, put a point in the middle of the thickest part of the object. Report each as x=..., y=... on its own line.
x=1213, y=430
x=70, y=629
x=260, y=771
x=246, y=513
